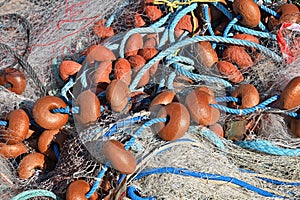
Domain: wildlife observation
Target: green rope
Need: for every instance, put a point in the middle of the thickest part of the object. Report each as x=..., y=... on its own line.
x=35, y=193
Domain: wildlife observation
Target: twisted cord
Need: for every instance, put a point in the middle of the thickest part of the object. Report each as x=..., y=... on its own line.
x=230, y=25
x=207, y=19
x=3, y=123
x=259, y=107
x=198, y=77
x=196, y=39
x=177, y=18
x=124, y=123
x=262, y=27
x=207, y=176
x=131, y=193
x=214, y=138
x=65, y=110
x=254, y=32
x=134, y=31
x=228, y=99
x=223, y=9
x=141, y=129
x=267, y=147
x=35, y=193
x=98, y=180
x=171, y=79
x=161, y=21
x=270, y=11
x=26, y=67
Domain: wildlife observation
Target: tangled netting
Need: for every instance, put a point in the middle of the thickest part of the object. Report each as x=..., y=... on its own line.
x=37, y=36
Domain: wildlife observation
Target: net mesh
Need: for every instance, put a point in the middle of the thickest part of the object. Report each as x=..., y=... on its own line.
x=44, y=33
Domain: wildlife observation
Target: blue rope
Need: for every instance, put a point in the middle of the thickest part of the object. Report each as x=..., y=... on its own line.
x=268, y=10
x=198, y=77
x=265, y=146
x=208, y=22
x=171, y=79
x=203, y=175
x=141, y=129
x=223, y=9
x=177, y=18
x=3, y=123
x=35, y=193
x=262, y=27
x=97, y=182
x=254, y=32
x=228, y=99
x=124, y=123
x=276, y=182
x=161, y=21
x=134, y=31
x=196, y=39
x=56, y=151
x=65, y=110
x=214, y=138
x=270, y=180
x=230, y=25
x=164, y=38
x=131, y=193
x=259, y=107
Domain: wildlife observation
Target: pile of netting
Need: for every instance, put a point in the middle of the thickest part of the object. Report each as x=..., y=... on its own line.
x=149, y=99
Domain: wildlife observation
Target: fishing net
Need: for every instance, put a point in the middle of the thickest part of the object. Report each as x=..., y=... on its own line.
x=37, y=36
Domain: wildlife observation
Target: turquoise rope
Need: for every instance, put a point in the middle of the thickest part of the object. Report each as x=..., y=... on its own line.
x=35, y=193
x=196, y=39
x=254, y=32
x=214, y=138
x=198, y=77
x=265, y=146
x=177, y=18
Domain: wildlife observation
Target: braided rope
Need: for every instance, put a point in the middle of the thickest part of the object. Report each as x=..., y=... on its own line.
x=177, y=18
x=35, y=193
x=141, y=129
x=265, y=146
x=254, y=32
x=207, y=176
x=198, y=77
x=196, y=39
x=230, y=25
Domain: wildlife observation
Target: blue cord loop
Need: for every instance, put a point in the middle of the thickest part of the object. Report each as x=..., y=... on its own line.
x=208, y=176
x=3, y=123
x=132, y=194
